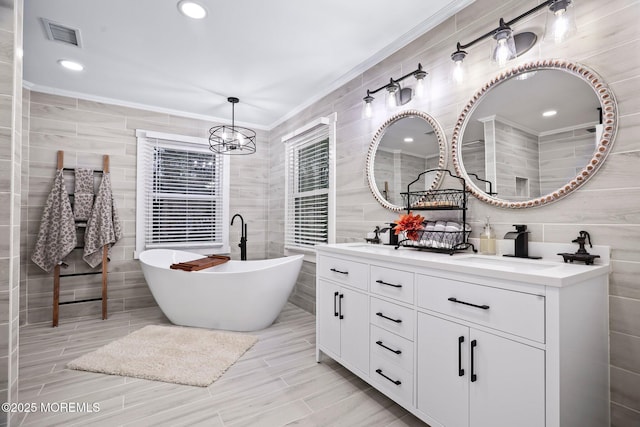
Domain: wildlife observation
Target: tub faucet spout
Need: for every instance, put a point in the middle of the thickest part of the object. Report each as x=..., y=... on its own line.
x=243, y=237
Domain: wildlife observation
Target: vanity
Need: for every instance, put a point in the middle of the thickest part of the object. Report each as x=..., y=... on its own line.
x=470, y=340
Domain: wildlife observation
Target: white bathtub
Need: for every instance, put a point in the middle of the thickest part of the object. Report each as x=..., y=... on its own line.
x=235, y=296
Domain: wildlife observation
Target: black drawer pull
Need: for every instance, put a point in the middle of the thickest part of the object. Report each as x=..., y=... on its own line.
x=460, y=370
x=335, y=303
x=484, y=307
x=388, y=318
x=388, y=284
x=388, y=348
x=340, y=306
x=396, y=382
x=474, y=377
x=338, y=271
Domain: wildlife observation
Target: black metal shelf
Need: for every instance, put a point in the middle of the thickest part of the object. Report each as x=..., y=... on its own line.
x=438, y=200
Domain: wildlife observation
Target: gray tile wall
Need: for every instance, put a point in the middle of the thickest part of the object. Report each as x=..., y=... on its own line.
x=10, y=150
x=560, y=154
x=517, y=155
x=85, y=130
x=608, y=42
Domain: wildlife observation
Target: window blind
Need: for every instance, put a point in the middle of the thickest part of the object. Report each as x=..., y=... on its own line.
x=308, y=185
x=183, y=195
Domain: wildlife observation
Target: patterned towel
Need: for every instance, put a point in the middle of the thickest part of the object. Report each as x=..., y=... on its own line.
x=57, y=236
x=103, y=227
x=83, y=195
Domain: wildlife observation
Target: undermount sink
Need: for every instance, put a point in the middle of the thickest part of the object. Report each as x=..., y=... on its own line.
x=519, y=263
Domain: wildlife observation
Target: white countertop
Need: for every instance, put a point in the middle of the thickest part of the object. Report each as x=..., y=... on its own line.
x=548, y=271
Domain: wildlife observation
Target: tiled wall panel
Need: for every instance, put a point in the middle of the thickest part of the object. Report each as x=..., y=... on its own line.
x=86, y=130
x=608, y=206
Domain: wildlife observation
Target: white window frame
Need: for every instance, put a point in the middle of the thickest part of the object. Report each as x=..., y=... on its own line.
x=297, y=138
x=145, y=139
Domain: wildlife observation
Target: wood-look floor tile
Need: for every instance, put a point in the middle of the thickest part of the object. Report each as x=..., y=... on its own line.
x=276, y=382
x=275, y=417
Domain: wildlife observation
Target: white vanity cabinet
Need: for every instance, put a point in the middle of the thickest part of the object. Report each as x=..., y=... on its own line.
x=466, y=340
x=470, y=377
x=342, y=312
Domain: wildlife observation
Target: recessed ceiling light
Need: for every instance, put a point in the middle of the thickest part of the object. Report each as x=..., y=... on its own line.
x=71, y=65
x=192, y=9
x=549, y=113
x=408, y=139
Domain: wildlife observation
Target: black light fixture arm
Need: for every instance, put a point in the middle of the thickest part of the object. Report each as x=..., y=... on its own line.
x=503, y=24
x=394, y=82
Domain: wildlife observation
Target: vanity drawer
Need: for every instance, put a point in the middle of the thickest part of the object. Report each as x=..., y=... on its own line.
x=392, y=379
x=343, y=271
x=514, y=312
x=392, y=348
x=392, y=317
x=392, y=283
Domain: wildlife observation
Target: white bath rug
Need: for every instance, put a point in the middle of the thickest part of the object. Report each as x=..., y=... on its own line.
x=173, y=354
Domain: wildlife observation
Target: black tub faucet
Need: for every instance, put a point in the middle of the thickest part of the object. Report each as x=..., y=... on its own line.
x=521, y=238
x=243, y=237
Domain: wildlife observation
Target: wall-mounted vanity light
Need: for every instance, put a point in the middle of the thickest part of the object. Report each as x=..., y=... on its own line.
x=396, y=94
x=559, y=26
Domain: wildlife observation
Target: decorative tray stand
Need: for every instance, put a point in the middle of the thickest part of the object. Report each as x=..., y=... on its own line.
x=434, y=238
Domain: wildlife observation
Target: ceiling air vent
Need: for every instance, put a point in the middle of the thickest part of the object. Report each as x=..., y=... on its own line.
x=60, y=33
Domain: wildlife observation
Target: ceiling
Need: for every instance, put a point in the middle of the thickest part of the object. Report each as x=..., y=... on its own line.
x=277, y=56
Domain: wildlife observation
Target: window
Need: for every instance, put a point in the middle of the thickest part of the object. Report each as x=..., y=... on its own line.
x=310, y=192
x=182, y=194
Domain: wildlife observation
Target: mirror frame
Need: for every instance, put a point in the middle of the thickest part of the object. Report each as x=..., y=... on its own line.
x=609, y=122
x=373, y=147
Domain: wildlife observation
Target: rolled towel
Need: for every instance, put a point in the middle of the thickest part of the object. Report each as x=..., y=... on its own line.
x=430, y=226
x=453, y=226
x=440, y=226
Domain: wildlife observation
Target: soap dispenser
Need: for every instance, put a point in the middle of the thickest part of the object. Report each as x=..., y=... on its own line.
x=487, y=240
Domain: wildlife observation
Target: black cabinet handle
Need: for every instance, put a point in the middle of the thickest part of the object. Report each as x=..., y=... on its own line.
x=474, y=377
x=338, y=271
x=396, y=382
x=388, y=348
x=340, y=306
x=335, y=303
x=388, y=318
x=460, y=369
x=484, y=307
x=388, y=284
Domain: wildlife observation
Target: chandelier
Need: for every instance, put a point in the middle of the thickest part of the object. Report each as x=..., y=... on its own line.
x=232, y=139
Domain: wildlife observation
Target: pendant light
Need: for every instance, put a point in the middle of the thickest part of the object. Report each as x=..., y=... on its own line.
x=232, y=139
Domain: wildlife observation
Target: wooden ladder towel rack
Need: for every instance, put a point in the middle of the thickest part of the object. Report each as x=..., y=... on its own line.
x=104, y=271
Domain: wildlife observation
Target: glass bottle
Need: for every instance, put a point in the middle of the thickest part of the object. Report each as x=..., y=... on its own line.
x=487, y=240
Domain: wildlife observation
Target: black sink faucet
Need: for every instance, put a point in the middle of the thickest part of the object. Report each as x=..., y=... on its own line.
x=521, y=237
x=243, y=237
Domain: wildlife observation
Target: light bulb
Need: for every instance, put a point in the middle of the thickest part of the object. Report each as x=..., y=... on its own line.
x=241, y=139
x=560, y=26
x=368, y=110
x=458, y=72
x=224, y=135
x=502, y=52
x=391, y=99
x=420, y=88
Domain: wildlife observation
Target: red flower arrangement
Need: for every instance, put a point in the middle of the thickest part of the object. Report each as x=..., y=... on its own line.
x=411, y=224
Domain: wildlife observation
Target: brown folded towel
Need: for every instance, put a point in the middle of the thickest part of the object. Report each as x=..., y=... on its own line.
x=201, y=263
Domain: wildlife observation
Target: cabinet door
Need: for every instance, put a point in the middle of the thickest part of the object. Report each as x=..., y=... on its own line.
x=443, y=370
x=509, y=386
x=327, y=316
x=354, y=328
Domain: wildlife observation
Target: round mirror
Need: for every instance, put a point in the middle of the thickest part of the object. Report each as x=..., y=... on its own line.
x=534, y=134
x=404, y=146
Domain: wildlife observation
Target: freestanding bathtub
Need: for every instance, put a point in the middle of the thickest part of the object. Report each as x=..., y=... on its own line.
x=235, y=296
